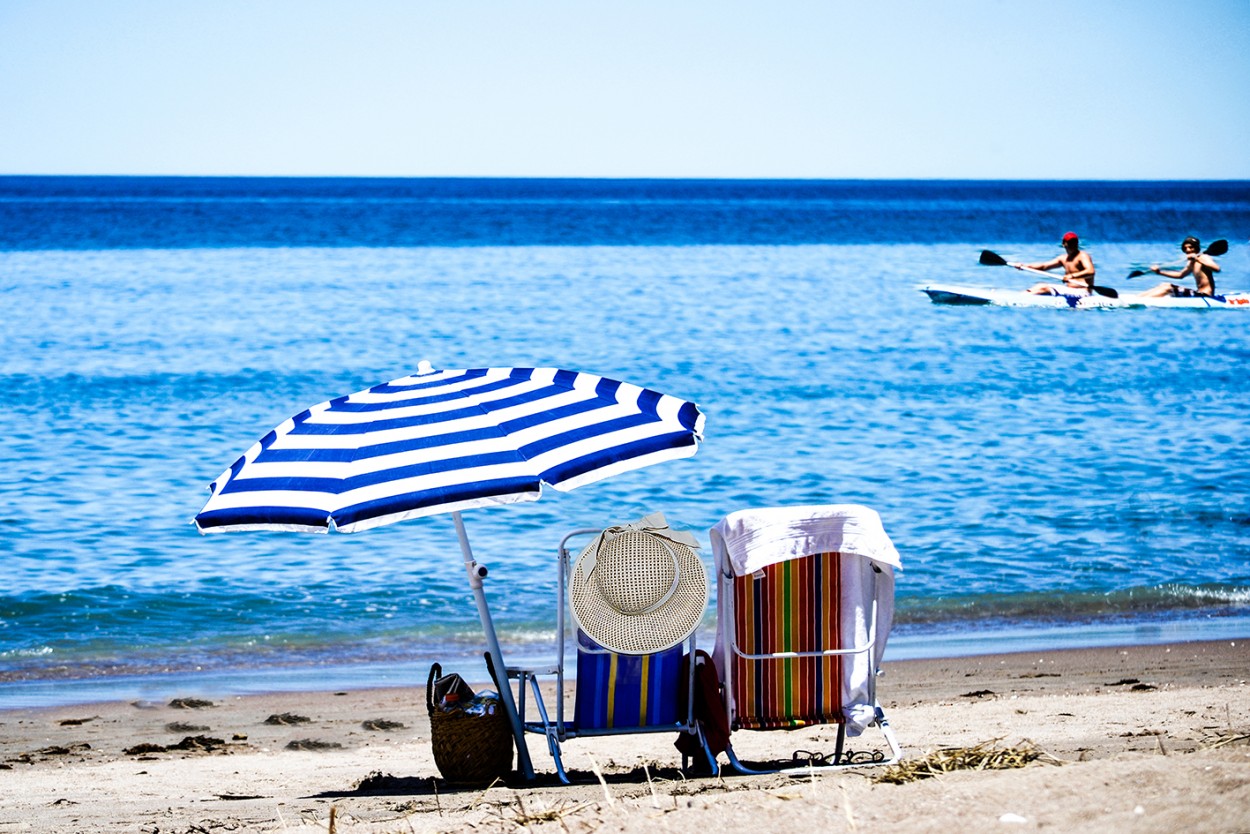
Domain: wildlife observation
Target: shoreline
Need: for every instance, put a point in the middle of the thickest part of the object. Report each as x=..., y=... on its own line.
x=85, y=683
x=1151, y=738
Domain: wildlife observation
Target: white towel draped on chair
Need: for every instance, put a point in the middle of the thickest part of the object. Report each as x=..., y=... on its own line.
x=756, y=538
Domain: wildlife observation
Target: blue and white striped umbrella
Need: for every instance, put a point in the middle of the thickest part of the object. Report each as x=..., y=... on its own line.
x=443, y=441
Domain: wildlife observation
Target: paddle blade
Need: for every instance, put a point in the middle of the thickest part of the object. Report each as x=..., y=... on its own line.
x=1107, y=291
x=1136, y=272
x=1218, y=247
x=989, y=258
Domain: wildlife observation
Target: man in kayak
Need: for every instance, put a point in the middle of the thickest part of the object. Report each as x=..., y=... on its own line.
x=1197, y=263
x=1078, y=270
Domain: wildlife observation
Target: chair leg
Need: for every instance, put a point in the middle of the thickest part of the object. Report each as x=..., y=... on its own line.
x=740, y=767
x=549, y=729
x=896, y=752
x=707, y=752
x=709, y=757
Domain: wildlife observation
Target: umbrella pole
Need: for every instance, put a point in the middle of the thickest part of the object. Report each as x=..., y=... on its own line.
x=476, y=572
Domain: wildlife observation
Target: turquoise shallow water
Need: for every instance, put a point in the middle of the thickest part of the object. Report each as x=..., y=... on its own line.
x=1051, y=477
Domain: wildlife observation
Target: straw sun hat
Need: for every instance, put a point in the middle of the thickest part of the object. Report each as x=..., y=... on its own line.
x=639, y=588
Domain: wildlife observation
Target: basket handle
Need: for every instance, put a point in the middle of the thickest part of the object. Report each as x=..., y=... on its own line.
x=436, y=671
x=490, y=670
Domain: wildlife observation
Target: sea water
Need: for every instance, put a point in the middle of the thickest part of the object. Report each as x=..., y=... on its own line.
x=1050, y=477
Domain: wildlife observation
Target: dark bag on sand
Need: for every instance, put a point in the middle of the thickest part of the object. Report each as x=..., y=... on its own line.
x=709, y=708
x=470, y=732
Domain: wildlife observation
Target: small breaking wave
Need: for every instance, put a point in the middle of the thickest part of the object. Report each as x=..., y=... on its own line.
x=1074, y=606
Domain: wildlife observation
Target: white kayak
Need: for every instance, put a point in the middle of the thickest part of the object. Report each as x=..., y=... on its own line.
x=973, y=296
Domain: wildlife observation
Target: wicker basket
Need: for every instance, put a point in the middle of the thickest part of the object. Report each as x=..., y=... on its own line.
x=470, y=748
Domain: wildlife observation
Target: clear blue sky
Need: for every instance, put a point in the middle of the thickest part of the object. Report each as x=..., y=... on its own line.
x=649, y=88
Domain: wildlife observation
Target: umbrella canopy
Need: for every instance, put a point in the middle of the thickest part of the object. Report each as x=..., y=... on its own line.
x=446, y=441
x=443, y=441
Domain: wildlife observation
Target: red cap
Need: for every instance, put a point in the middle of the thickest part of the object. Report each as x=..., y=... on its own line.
x=1069, y=236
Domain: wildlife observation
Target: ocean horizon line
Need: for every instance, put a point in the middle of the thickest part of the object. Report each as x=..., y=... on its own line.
x=110, y=212
x=619, y=179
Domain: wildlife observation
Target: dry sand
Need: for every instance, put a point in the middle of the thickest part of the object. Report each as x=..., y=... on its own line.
x=1150, y=739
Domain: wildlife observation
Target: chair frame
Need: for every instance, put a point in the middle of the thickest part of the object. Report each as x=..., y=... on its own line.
x=561, y=730
x=727, y=620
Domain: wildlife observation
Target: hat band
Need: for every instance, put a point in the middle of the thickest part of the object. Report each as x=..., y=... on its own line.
x=655, y=524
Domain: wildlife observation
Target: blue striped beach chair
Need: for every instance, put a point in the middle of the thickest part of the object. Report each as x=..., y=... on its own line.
x=615, y=692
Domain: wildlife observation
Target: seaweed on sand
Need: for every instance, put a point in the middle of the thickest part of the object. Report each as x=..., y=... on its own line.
x=984, y=756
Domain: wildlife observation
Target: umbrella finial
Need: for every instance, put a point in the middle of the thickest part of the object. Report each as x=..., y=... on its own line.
x=424, y=367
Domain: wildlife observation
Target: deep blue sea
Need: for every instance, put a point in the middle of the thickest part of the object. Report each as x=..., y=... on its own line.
x=1050, y=477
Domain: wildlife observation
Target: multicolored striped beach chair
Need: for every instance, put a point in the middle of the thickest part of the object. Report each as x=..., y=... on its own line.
x=805, y=604
x=650, y=687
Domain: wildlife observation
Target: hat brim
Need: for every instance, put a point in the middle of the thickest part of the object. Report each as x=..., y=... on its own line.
x=641, y=633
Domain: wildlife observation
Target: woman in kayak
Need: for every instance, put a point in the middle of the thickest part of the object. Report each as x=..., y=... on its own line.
x=1197, y=263
x=1078, y=270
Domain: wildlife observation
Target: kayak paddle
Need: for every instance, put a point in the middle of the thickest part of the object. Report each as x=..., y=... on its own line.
x=989, y=258
x=1217, y=248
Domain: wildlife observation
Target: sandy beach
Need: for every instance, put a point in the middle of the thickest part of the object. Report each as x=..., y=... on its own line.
x=1151, y=738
